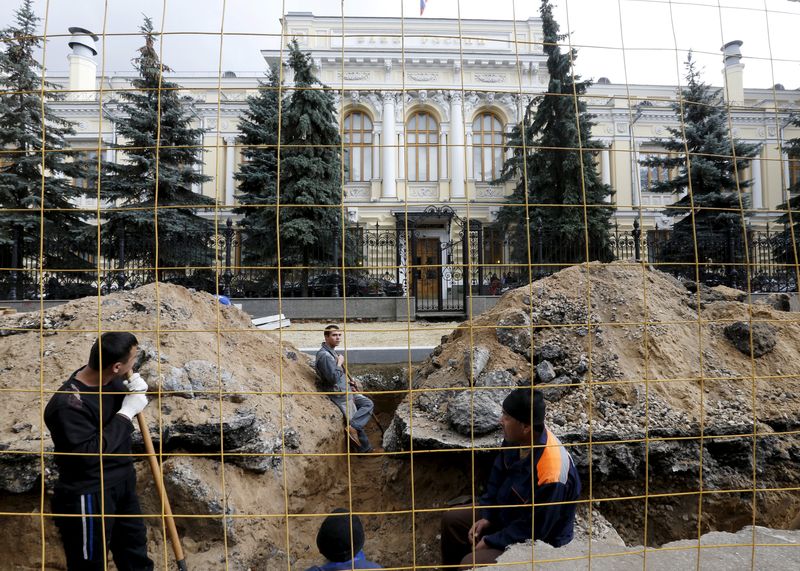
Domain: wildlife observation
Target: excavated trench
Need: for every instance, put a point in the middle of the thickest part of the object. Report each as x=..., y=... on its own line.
x=634, y=488
x=382, y=484
x=671, y=513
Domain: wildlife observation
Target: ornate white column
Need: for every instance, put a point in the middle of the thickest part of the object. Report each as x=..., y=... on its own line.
x=787, y=177
x=605, y=168
x=457, y=172
x=401, y=155
x=443, y=155
x=636, y=182
x=376, y=154
x=230, y=167
x=757, y=190
x=470, y=171
x=389, y=150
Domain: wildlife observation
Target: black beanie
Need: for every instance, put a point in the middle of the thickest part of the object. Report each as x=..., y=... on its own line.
x=518, y=406
x=333, y=539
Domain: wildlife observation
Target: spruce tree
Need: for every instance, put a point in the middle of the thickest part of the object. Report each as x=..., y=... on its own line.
x=788, y=241
x=158, y=163
x=311, y=176
x=558, y=159
x=258, y=174
x=712, y=211
x=27, y=125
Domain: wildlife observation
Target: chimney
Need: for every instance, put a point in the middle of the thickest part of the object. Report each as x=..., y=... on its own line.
x=82, y=65
x=733, y=72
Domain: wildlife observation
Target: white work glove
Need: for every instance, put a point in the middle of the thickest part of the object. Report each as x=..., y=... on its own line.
x=135, y=402
x=136, y=383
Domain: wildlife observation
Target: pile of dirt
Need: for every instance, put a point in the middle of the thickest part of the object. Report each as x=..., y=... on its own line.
x=244, y=438
x=642, y=366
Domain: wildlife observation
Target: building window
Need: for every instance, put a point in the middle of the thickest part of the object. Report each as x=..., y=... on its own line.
x=493, y=243
x=649, y=176
x=89, y=185
x=357, y=147
x=745, y=173
x=422, y=148
x=794, y=171
x=487, y=147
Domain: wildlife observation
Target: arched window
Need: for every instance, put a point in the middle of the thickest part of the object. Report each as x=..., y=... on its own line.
x=487, y=147
x=357, y=147
x=422, y=147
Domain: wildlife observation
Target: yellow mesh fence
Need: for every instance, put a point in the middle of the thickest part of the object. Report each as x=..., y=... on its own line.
x=413, y=244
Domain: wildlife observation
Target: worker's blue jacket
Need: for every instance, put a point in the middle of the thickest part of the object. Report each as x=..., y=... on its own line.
x=358, y=562
x=556, y=480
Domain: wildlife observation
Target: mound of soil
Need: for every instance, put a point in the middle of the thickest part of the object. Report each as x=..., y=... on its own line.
x=640, y=374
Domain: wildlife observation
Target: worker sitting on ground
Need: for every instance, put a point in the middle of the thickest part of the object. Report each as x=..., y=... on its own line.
x=333, y=378
x=481, y=535
x=337, y=544
x=75, y=416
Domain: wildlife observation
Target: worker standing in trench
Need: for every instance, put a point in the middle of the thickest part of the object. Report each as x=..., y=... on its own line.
x=503, y=516
x=355, y=407
x=74, y=417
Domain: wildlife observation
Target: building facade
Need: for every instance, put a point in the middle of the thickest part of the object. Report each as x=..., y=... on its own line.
x=424, y=106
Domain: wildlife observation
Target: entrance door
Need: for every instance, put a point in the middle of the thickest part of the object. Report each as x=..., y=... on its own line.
x=428, y=262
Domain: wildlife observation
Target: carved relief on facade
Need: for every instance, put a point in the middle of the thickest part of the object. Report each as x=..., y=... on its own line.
x=354, y=75
x=491, y=77
x=488, y=191
x=375, y=104
x=423, y=76
x=357, y=192
x=427, y=191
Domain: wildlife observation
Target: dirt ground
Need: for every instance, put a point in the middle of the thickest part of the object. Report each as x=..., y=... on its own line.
x=234, y=517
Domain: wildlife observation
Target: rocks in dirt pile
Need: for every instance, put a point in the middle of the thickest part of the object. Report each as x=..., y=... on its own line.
x=19, y=472
x=763, y=335
x=395, y=381
x=478, y=361
x=514, y=332
x=478, y=412
x=248, y=440
x=474, y=411
x=545, y=372
x=779, y=301
x=201, y=379
x=190, y=494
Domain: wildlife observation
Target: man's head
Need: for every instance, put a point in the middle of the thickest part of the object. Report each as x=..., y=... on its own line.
x=334, y=538
x=115, y=353
x=333, y=335
x=523, y=415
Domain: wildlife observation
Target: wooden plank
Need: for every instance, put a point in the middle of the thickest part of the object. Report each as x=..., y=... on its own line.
x=275, y=325
x=268, y=319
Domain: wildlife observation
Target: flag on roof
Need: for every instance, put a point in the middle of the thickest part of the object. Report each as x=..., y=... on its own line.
x=422, y=6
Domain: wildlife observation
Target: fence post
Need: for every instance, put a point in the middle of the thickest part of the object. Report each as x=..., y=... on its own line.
x=539, y=245
x=335, y=266
x=12, y=294
x=228, y=275
x=730, y=255
x=121, y=277
x=637, y=246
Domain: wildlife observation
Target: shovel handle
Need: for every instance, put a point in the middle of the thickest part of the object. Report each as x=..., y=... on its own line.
x=162, y=494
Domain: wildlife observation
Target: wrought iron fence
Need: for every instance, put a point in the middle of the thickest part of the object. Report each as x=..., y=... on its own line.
x=387, y=261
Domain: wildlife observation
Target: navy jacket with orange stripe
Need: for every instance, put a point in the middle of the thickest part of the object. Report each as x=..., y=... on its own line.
x=509, y=484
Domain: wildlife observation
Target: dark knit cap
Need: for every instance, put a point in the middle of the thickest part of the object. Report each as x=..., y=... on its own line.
x=518, y=406
x=333, y=539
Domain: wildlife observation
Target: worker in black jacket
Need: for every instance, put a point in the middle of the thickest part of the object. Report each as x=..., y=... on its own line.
x=533, y=468
x=96, y=405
